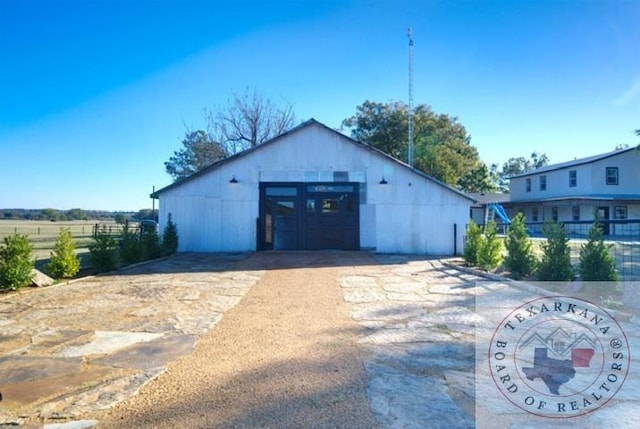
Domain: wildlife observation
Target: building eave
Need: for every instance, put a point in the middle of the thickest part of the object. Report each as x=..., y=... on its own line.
x=293, y=130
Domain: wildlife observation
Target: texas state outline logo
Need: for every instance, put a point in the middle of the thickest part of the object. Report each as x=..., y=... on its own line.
x=559, y=357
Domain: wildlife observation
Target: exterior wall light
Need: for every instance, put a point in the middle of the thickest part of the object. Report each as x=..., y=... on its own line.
x=233, y=179
x=383, y=182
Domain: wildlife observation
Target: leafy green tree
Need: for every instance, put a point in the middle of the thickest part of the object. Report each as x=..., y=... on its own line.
x=104, y=251
x=145, y=214
x=442, y=146
x=520, y=260
x=64, y=262
x=120, y=218
x=77, y=214
x=472, y=243
x=490, y=250
x=481, y=179
x=170, y=237
x=50, y=214
x=199, y=151
x=596, y=263
x=555, y=264
x=520, y=165
x=16, y=262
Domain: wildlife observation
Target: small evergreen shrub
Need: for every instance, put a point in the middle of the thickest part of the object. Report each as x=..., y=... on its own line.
x=16, y=262
x=520, y=260
x=472, y=244
x=555, y=264
x=130, y=247
x=490, y=249
x=149, y=245
x=170, y=237
x=104, y=251
x=64, y=262
x=596, y=263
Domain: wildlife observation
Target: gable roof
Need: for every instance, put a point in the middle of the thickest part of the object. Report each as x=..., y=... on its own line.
x=293, y=130
x=574, y=163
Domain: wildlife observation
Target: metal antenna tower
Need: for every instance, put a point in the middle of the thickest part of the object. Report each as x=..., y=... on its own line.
x=410, y=151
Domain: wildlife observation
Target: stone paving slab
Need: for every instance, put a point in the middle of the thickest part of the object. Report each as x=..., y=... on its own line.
x=421, y=323
x=72, y=348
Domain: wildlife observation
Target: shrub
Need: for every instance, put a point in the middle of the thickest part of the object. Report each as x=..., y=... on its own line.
x=64, y=261
x=16, y=262
x=103, y=251
x=149, y=245
x=596, y=263
x=520, y=260
x=170, y=237
x=130, y=248
x=490, y=249
x=474, y=237
x=555, y=264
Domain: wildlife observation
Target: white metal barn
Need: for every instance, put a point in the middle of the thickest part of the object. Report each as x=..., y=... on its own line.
x=315, y=188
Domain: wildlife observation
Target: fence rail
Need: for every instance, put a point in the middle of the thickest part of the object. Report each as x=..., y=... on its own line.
x=43, y=234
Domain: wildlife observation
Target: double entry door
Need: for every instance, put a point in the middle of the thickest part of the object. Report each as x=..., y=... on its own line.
x=309, y=216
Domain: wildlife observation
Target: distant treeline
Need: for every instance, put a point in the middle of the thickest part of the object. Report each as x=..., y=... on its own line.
x=75, y=214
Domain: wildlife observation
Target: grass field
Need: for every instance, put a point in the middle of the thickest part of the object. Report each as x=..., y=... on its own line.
x=43, y=235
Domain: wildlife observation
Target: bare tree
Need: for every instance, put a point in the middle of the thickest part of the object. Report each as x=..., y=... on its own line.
x=248, y=120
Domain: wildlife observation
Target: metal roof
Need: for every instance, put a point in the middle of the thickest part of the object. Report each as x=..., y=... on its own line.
x=588, y=197
x=574, y=163
x=295, y=129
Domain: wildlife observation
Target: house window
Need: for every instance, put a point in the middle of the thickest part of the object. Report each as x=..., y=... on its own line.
x=534, y=214
x=620, y=212
x=573, y=178
x=528, y=184
x=575, y=212
x=543, y=183
x=554, y=214
x=612, y=175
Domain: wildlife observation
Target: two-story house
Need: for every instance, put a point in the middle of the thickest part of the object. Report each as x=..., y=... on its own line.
x=606, y=184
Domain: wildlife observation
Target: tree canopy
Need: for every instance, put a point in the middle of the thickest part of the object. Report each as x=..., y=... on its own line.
x=199, y=150
x=520, y=165
x=249, y=119
x=442, y=146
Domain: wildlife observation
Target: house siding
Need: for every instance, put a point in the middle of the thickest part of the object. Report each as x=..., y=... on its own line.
x=591, y=180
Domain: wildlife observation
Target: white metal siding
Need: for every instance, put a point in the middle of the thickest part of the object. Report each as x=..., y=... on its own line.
x=410, y=214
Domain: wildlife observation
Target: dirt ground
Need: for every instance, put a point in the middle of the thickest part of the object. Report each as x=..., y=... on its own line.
x=285, y=357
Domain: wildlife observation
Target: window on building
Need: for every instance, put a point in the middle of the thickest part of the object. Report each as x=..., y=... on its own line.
x=330, y=205
x=620, y=212
x=575, y=212
x=573, y=178
x=554, y=214
x=543, y=183
x=612, y=175
x=534, y=214
x=528, y=184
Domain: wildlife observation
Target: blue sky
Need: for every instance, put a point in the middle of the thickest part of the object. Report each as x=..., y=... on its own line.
x=95, y=95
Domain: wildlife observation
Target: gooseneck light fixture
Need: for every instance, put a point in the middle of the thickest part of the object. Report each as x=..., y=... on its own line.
x=383, y=182
x=233, y=179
